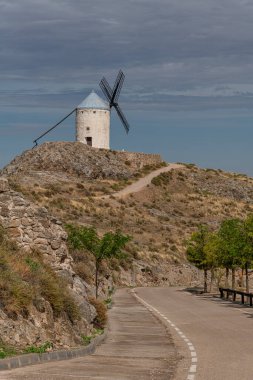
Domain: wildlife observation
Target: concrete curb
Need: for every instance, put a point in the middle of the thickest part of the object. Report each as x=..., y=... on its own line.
x=29, y=359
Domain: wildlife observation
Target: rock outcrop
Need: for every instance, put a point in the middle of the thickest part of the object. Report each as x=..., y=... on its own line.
x=33, y=228
x=75, y=158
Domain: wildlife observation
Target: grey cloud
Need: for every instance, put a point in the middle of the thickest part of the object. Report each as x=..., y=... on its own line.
x=176, y=54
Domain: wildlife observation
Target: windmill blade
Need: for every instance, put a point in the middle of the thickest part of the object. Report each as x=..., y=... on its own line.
x=117, y=86
x=120, y=74
x=105, y=87
x=122, y=118
x=118, y=90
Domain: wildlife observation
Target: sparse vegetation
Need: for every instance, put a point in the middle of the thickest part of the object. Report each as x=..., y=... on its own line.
x=47, y=346
x=6, y=350
x=25, y=277
x=162, y=179
x=170, y=209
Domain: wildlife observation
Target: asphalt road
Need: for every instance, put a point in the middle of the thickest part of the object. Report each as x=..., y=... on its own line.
x=220, y=333
x=200, y=338
x=138, y=347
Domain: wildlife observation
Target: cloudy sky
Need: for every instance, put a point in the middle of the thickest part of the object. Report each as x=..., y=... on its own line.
x=188, y=92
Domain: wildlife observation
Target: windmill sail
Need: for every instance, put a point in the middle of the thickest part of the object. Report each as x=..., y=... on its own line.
x=112, y=96
x=122, y=118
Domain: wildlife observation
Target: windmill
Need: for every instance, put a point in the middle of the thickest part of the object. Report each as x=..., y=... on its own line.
x=93, y=115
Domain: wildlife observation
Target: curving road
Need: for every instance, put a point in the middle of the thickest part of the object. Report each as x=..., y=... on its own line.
x=217, y=332
x=200, y=338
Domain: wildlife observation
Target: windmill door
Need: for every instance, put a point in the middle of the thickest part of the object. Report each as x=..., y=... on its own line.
x=89, y=141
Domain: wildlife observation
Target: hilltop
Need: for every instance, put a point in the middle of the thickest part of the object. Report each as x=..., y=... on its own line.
x=80, y=160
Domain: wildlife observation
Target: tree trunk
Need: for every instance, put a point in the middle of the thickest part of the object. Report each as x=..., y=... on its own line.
x=242, y=278
x=227, y=275
x=233, y=278
x=96, y=277
x=205, y=280
x=211, y=282
x=247, y=277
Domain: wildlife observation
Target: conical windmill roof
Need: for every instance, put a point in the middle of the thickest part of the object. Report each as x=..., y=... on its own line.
x=93, y=101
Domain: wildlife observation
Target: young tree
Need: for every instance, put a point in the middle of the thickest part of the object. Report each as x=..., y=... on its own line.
x=212, y=250
x=231, y=246
x=247, y=255
x=102, y=248
x=196, y=253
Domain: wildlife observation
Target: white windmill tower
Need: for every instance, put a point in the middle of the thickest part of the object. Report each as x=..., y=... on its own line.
x=93, y=115
x=93, y=122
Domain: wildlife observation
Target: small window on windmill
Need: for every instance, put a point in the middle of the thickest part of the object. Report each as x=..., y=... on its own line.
x=89, y=140
x=87, y=128
x=94, y=111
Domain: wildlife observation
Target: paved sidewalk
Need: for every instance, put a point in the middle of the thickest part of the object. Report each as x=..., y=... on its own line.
x=137, y=347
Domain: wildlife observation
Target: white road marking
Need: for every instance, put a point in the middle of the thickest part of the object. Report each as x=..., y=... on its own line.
x=60, y=374
x=193, y=368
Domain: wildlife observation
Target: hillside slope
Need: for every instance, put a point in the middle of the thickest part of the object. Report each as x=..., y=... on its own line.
x=159, y=218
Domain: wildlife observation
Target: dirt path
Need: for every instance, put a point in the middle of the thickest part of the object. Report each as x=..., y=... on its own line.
x=143, y=182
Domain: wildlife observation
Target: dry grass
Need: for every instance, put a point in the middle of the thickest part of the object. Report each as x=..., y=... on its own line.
x=101, y=309
x=25, y=277
x=160, y=218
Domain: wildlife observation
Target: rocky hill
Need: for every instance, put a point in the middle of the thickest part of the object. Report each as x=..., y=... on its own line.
x=75, y=158
x=72, y=183
x=41, y=297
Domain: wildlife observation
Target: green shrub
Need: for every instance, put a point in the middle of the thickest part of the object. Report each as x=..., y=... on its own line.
x=162, y=179
x=38, y=349
x=6, y=350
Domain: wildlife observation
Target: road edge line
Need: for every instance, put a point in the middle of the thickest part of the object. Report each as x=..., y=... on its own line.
x=193, y=354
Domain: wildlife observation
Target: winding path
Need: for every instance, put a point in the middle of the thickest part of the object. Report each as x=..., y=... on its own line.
x=143, y=182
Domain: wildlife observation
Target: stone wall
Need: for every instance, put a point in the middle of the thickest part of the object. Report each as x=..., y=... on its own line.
x=138, y=160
